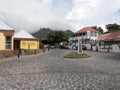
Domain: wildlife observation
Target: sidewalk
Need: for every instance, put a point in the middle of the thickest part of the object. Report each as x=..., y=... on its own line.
x=21, y=56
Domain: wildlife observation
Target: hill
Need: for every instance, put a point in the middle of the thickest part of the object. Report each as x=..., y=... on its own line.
x=42, y=33
x=69, y=32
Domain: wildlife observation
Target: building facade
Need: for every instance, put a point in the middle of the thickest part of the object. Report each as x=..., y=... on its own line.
x=109, y=42
x=6, y=39
x=24, y=40
x=87, y=35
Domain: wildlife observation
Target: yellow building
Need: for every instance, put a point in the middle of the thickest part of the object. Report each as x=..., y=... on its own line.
x=24, y=40
x=6, y=39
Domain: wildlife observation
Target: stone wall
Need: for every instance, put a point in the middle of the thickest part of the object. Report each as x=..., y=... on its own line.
x=23, y=52
x=29, y=52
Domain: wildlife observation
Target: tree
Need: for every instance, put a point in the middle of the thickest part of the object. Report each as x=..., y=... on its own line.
x=57, y=37
x=98, y=29
x=112, y=27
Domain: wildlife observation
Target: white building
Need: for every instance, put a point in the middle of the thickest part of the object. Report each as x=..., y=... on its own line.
x=88, y=36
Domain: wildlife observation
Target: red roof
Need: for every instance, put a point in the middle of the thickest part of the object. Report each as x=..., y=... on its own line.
x=86, y=29
x=109, y=36
x=103, y=37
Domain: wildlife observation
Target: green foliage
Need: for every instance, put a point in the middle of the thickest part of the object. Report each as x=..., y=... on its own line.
x=41, y=46
x=76, y=55
x=43, y=32
x=112, y=27
x=57, y=36
x=98, y=28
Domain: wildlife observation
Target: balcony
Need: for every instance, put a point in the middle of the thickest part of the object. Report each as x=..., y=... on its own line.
x=80, y=37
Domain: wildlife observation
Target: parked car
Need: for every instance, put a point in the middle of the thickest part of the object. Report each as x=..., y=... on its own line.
x=83, y=47
x=64, y=47
x=52, y=47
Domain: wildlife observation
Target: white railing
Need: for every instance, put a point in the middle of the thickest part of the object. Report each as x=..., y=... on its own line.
x=76, y=38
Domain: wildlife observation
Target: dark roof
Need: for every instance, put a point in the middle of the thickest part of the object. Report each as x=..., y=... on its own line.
x=109, y=36
x=86, y=29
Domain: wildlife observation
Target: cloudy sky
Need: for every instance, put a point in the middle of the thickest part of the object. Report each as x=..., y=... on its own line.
x=30, y=15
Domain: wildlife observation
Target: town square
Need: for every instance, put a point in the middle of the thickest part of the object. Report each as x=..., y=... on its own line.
x=59, y=45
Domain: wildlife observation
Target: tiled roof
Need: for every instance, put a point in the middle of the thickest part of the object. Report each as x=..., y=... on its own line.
x=23, y=34
x=86, y=29
x=109, y=36
x=3, y=26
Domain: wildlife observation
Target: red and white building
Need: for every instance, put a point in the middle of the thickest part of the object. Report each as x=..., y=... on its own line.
x=88, y=36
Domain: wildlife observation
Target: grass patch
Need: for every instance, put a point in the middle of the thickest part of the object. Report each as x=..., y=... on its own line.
x=75, y=55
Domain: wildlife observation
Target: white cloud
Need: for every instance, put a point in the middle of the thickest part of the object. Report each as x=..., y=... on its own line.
x=93, y=12
x=32, y=14
x=58, y=14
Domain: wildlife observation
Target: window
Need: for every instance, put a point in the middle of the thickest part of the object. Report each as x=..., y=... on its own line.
x=87, y=41
x=91, y=33
x=84, y=34
x=80, y=34
x=8, y=42
x=95, y=34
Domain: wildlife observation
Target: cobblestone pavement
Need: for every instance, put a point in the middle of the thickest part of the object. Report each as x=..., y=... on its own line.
x=53, y=72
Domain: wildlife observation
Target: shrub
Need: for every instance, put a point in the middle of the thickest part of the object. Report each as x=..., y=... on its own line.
x=41, y=46
x=76, y=55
